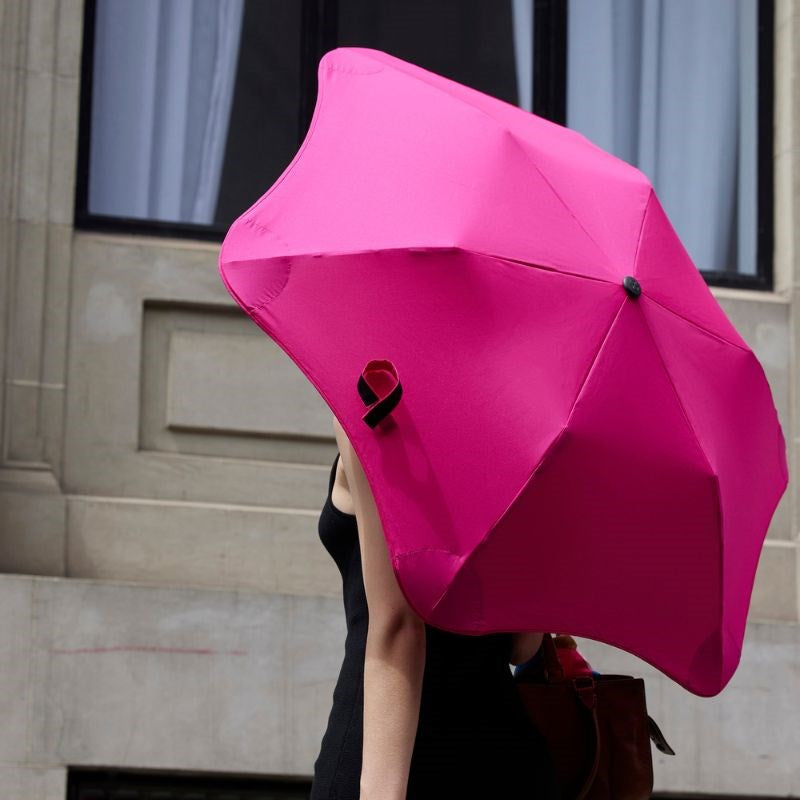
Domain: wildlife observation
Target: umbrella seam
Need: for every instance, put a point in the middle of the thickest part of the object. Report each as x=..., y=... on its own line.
x=715, y=476
x=718, y=493
x=259, y=226
x=547, y=268
x=698, y=326
x=641, y=230
x=424, y=550
x=271, y=292
x=229, y=286
x=550, y=447
x=650, y=197
x=552, y=188
x=260, y=304
x=350, y=71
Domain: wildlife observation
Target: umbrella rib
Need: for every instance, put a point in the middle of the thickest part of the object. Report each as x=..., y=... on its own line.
x=675, y=390
x=650, y=197
x=553, y=189
x=717, y=491
x=556, y=268
x=541, y=461
x=371, y=251
x=699, y=326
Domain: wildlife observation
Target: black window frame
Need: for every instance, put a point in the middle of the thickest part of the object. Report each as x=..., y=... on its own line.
x=107, y=783
x=319, y=34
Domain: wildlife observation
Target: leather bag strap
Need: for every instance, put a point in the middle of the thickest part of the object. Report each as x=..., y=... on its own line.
x=586, y=693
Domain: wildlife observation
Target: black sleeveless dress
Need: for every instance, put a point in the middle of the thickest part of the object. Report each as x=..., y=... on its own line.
x=473, y=737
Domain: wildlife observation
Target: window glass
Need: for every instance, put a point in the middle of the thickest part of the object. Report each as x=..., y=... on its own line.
x=194, y=106
x=671, y=87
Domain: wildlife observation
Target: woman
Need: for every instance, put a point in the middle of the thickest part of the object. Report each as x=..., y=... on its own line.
x=418, y=712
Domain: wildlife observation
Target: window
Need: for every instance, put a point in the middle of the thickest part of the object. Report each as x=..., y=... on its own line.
x=187, y=108
x=192, y=108
x=672, y=87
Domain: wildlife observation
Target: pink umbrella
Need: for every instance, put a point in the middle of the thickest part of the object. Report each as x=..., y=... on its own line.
x=584, y=442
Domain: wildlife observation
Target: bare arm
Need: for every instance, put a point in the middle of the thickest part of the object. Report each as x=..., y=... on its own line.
x=395, y=654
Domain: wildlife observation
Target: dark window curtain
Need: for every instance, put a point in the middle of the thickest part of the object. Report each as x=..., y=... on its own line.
x=264, y=130
x=486, y=44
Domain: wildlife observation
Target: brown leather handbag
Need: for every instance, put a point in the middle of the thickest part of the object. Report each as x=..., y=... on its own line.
x=597, y=730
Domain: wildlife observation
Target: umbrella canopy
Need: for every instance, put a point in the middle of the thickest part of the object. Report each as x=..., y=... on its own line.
x=584, y=442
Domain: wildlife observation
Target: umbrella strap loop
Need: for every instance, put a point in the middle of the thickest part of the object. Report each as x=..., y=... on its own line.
x=379, y=377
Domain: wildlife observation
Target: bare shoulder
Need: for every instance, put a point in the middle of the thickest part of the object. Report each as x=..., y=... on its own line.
x=387, y=605
x=342, y=441
x=350, y=476
x=524, y=646
x=346, y=452
x=341, y=496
